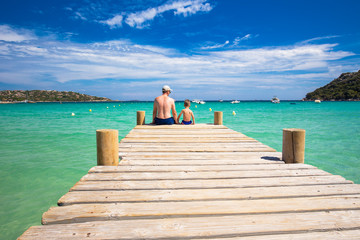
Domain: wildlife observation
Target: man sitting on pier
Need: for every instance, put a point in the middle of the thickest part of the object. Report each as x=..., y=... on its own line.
x=162, y=106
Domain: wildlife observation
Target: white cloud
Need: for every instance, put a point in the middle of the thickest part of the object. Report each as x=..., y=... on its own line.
x=236, y=42
x=141, y=19
x=214, y=46
x=78, y=15
x=138, y=19
x=239, y=39
x=114, y=22
x=30, y=62
x=319, y=39
x=14, y=35
x=193, y=7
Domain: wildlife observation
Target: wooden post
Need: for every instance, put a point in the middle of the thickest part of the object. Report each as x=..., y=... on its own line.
x=293, y=150
x=218, y=118
x=107, y=141
x=140, y=117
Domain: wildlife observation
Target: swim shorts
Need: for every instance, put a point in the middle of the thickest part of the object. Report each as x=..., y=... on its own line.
x=186, y=122
x=166, y=121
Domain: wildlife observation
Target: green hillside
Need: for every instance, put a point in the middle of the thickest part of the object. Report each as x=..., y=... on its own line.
x=345, y=87
x=46, y=96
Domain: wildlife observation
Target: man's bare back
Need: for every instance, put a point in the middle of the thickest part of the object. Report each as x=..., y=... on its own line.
x=163, y=106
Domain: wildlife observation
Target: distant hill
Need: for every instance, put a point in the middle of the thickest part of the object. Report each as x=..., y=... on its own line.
x=345, y=87
x=47, y=96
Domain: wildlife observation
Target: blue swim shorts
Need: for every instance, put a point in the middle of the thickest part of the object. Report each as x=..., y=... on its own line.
x=166, y=121
x=186, y=122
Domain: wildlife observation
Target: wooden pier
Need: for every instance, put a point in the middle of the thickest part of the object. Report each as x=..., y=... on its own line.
x=203, y=182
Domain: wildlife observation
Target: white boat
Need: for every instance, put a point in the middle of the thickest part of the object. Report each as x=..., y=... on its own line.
x=198, y=101
x=317, y=101
x=235, y=101
x=275, y=100
x=221, y=100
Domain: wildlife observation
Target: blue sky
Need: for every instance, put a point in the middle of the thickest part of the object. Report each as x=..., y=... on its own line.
x=203, y=49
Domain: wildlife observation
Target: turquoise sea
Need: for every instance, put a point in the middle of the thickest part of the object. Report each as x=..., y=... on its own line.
x=45, y=150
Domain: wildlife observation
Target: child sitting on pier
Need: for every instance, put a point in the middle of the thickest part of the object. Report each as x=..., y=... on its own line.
x=187, y=114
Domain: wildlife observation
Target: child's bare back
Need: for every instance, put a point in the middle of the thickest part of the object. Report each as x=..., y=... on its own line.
x=187, y=114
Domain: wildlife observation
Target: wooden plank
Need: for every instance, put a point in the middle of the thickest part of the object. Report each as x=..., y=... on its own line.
x=81, y=197
x=118, y=211
x=195, y=162
x=134, y=156
x=184, y=140
x=161, y=156
x=182, y=131
x=209, y=183
x=198, y=168
x=190, y=145
x=335, y=234
x=173, y=138
x=199, y=149
x=209, y=227
x=190, y=135
x=179, y=126
x=203, y=155
x=147, y=175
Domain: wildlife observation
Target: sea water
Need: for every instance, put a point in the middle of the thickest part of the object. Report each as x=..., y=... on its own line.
x=47, y=147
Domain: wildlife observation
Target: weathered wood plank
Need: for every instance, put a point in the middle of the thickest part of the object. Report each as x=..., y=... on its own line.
x=148, y=175
x=203, y=155
x=182, y=128
x=199, y=149
x=183, y=131
x=190, y=135
x=190, y=145
x=196, y=168
x=210, y=227
x=208, y=183
x=179, y=126
x=185, y=140
x=118, y=211
x=336, y=234
x=80, y=197
x=196, y=162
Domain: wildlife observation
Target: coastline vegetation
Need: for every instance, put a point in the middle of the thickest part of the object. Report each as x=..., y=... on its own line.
x=12, y=96
x=344, y=88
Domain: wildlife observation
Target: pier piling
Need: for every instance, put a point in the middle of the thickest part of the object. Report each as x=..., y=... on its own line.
x=293, y=145
x=107, y=141
x=218, y=118
x=140, y=117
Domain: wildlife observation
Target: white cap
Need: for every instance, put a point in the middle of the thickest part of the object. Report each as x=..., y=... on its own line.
x=166, y=88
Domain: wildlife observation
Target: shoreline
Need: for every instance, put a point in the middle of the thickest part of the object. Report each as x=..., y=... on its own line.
x=117, y=101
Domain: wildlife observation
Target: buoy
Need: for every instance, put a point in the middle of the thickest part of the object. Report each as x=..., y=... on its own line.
x=119, y=105
x=210, y=109
x=195, y=106
x=72, y=114
x=107, y=107
x=114, y=105
x=234, y=113
x=90, y=110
